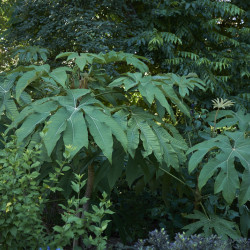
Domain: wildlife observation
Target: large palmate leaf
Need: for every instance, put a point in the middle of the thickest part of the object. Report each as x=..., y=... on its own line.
x=227, y=118
x=212, y=224
x=60, y=75
x=160, y=89
x=72, y=122
x=229, y=147
x=32, y=73
x=29, y=77
x=163, y=141
x=89, y=58
x=67, y=116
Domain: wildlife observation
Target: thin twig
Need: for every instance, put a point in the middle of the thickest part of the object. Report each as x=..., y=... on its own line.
x=173, y=176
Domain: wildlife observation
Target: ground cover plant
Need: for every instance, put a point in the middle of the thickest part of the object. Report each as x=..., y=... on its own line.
x=132, y=126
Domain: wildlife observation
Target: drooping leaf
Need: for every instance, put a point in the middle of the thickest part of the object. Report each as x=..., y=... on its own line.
x=117, y=131
x=150, y=140
x=6, y=101
x=22, y=115
x=25, y=99
x=29, y=125
x=11, y=109
x=170, y=93
x=56, y=125
x=101, y=133
x=81, y=62
x=29, y=77
x=117, y=166
x=133, y=136
x=121, y=118
x=245, y=188
x=76, y=133
x=133, y=170
x=60, y=75
x=168, y=152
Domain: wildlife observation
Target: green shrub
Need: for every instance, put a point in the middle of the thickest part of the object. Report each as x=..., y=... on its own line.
x=89, y=229
x=24, y=197
x=22, y=200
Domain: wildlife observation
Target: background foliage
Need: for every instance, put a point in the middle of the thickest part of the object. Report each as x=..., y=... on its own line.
x=208, y=37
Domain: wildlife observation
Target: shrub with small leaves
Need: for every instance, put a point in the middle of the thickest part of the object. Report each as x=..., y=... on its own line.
x=242, y=244
x=199, y=242
x=22, y=199
x=159, y=240
x=90, y=228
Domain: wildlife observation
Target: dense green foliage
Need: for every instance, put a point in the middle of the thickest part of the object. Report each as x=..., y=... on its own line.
x=118, y=96
x=24, y=197
x=208, y=37
x=21, y=198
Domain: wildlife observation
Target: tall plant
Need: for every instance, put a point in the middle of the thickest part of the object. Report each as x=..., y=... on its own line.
x=222, y=162
x=88, y=108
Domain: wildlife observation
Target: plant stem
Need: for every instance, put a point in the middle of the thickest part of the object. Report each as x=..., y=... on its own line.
x=89, y=189
x=204, y=210
x=88, y=192
x=173, y=176
x=182, y=182
x=215, y=118
x=189, y=140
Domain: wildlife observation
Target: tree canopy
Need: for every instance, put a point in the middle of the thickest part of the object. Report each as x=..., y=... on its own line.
x=208, y=37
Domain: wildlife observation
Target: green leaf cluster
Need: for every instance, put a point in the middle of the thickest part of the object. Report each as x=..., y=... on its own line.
x=77, y=115
x=222, y=154
x=22, y=198
x=92, y=223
